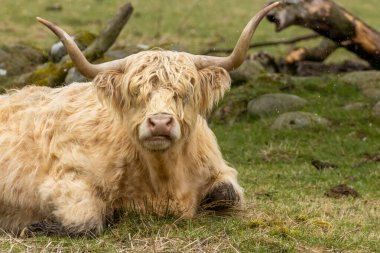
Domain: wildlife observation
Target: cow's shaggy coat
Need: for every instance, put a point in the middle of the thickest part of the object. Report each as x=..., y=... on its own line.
x=135, y=138
x=71, y=156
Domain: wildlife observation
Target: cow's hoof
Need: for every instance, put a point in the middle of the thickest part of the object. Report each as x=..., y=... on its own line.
x=223, y=196
x=52, y=227
x=46, y=226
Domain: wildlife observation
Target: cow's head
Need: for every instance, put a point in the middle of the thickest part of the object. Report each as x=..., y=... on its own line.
x=161, y=93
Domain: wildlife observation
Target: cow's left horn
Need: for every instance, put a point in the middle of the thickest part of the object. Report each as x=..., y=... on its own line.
x=81, y=63
x=237, y=57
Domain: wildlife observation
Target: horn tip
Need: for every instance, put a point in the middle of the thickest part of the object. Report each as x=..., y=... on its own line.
x=41, y=20
x=44, y=22
x=275, y=4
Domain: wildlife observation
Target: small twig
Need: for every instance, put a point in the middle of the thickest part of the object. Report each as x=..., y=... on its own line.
x=265, y=44
x=374, y=159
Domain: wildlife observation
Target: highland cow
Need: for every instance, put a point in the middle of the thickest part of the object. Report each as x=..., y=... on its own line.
x=71, y=157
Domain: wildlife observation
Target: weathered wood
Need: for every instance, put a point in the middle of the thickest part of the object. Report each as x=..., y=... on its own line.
x=109, y=34
x=332, y=21
x=309, y=68
x=317, y=54
x=53, y=74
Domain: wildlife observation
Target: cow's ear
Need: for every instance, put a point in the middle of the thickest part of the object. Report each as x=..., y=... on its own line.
x=109, y=87
x=214, y=82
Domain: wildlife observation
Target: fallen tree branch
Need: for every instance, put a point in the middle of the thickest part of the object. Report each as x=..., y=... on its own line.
x=53, y=74
x=332, y=21
x=312, y=68
x=265, y=44
x=109, y=34
x=318, y=53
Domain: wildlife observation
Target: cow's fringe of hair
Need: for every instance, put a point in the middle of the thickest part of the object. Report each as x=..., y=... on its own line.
x=170, y=70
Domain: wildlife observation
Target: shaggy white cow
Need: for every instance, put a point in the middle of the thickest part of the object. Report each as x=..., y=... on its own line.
x=133, y=137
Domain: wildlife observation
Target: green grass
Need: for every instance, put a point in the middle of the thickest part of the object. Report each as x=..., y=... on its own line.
x=192, y=24
x=286, y=210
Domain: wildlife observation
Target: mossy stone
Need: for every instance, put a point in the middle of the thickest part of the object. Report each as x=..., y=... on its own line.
x=19, y=59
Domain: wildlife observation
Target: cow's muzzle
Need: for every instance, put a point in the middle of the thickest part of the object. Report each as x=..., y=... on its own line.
x=159, y=131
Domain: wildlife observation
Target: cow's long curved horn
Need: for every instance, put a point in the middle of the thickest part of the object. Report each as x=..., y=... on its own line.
x=237, y=57
x=81, y=63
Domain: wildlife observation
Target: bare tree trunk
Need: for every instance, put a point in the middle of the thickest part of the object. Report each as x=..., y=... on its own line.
x=53, y=74
x=332, y=21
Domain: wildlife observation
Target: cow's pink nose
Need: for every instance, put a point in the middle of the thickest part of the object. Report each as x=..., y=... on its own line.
x=160, y=124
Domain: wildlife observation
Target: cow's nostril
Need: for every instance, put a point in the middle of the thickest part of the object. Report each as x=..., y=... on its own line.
x=169, y=121
x=151, y=123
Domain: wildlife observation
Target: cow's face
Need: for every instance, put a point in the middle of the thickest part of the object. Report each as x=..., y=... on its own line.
x=160, y=95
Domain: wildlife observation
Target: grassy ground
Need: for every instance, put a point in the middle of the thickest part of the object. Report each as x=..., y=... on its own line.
x=193, y=24
x=286, y=208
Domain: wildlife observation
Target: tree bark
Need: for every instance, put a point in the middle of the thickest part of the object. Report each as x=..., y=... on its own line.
x=317, y=54
x=332, y=21
x=53, y=74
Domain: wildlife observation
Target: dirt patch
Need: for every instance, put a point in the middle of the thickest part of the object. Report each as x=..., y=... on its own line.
x=320, y=165
x=341, y=191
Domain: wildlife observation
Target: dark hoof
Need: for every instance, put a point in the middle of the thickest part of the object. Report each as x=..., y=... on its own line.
x=52, y=227
x=46, y=226
x=220, y=198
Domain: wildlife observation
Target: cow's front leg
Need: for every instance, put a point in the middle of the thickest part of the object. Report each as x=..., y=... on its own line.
x=73, y=209
x=224, y=193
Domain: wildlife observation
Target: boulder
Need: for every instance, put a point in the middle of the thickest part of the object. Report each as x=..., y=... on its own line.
x=356, y=106
x=73, y=75
x=376, y=110
x=276, y=103
x=298, y=120
x=366, y=81
x=256, y=64
x=82, y=39
x=229, y=112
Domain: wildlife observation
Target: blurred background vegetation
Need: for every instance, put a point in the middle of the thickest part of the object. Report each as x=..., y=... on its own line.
x=194, y=25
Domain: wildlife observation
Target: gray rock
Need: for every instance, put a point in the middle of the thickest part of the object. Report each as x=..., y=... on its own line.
x=274, y=104
x=298, y=120
x=257, y=63
x=74, y=76
x=3, y=72
x=230, y=112
x=57, y=51
x=366, y=81
x=248, y=70
x=355, y=106
x=82, y=39
x=116, y=54
x=376, y=110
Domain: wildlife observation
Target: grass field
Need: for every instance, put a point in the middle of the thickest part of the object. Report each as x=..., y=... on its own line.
x=286, y=208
